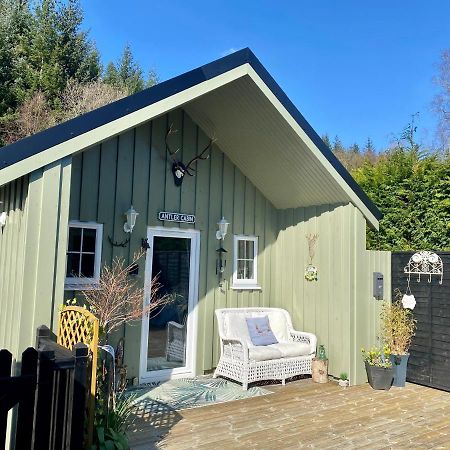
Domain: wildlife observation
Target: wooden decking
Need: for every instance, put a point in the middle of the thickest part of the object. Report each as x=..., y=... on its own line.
x=306, y=415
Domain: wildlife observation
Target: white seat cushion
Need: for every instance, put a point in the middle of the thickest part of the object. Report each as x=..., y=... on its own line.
x=292, y=349
x=263, y=353
x=277, y=351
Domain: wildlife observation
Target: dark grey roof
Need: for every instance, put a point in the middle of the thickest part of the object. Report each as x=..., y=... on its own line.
x=39, y=142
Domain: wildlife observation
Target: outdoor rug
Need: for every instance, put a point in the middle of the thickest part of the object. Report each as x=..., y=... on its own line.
x=188, y=393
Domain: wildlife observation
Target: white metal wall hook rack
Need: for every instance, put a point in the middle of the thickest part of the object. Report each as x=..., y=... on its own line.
x=425, y=263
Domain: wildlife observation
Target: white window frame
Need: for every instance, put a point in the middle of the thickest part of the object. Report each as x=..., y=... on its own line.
x=78, y=283
x=250, y=283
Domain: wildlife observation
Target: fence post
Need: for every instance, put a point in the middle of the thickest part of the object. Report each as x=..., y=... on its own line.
x=5, y=372
x=43, y=332
x=80, y=390
x=25, y=413
x=44, y=399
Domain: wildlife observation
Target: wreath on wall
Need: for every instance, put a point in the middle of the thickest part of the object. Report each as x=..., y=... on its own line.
x=311, y=272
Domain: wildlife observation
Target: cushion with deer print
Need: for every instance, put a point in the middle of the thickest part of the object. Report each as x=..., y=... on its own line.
x=260, y=331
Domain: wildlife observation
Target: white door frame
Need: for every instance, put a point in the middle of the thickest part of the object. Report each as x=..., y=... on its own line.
x=188, y=370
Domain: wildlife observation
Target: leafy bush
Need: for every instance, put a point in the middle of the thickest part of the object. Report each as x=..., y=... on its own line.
x=412, y=190
x=111, y=424
x=398, y=327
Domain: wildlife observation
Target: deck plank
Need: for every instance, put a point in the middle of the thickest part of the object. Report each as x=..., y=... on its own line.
x=307, y=415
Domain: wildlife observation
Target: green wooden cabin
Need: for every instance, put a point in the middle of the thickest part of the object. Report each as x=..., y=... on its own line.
x=65, y=192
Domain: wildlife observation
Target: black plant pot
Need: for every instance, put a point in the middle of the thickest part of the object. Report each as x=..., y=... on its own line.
x=399, y=364
x=380, y=377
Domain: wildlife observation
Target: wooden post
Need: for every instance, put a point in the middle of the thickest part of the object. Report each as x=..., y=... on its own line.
x=44, y=399
x=25, y=413
x=43, y=332
x=319, y=370
x=5, y=372
x=80, y=389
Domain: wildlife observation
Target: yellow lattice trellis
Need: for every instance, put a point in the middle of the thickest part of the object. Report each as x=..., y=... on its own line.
x=80, y=325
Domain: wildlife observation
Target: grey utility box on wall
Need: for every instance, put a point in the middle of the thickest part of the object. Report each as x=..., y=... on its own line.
x=378, y=285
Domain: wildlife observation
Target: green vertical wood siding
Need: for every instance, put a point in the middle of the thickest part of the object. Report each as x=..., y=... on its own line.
x=47, y=212
x=339, y=307
x=33, y=253
x=134, y=168
x=13, y=197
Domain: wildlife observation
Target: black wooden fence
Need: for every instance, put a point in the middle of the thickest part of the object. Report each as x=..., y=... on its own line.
x=50, y=393
x=429, y=361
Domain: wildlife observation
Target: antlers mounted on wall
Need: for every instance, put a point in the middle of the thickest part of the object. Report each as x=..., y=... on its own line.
x=179, y=169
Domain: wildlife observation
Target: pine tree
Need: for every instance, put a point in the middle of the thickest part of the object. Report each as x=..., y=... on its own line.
x=126, y=73
x=15, y=19
x=51, y=49
x=354, y=148
x=369, y=148
x=326, y=140
x=337, y=145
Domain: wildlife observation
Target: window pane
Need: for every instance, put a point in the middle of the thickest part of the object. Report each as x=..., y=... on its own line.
x=87, y=265
x=241, y=249
x=89, y=235
x=249, y=270
x=241, y=270
x=74, y=239
x=73, y=261
x=249, y=249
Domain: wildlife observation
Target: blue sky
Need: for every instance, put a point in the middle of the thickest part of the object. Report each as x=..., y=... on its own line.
x=353, y=68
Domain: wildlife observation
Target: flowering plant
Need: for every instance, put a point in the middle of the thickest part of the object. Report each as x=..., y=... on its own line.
x=378, y=357
x=311, y=273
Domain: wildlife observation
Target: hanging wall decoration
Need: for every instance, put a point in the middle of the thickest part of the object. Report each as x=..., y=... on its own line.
x=421, y=263
x=180, y=169
x=311, y=272
x=425, y=263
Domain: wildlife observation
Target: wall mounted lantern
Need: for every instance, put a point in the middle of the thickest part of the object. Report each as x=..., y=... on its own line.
x=223, y=228
x=3, y=217
x=221, y=262
x=128, y=226
x=131, y=216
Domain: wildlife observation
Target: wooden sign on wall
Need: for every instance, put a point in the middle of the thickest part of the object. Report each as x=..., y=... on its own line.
x=176, y=217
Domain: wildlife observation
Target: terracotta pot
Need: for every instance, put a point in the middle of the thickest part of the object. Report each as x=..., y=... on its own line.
x=379, y=377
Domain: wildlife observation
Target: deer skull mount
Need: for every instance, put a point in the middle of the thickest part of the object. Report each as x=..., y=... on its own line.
x=179, y=169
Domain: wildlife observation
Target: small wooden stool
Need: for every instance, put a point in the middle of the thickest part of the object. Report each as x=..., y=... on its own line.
x=319, y=369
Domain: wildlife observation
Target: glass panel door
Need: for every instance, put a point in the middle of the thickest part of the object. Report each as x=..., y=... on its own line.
x=167, y=329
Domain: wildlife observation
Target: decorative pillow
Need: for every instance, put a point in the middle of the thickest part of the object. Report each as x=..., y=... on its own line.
x=260, y=331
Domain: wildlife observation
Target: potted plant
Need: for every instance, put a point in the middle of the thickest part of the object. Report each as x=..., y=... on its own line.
x=380, y=373
x=343, y=380
x=398, y=327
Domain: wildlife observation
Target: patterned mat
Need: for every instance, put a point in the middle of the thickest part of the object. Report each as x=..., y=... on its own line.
x=190, y=393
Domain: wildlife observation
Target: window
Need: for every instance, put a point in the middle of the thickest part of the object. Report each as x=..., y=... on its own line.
x=245, y=262
x=84, y=250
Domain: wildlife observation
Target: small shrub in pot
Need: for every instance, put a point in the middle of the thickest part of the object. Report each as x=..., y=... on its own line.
x=398, y=327
x=343, y=380
x=380, y=373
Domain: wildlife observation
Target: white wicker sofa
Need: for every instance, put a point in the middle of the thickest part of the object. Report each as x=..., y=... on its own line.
x=244, y=362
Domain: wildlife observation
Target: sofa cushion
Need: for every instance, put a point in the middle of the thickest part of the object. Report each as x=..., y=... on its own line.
x=235, y=325
x=279, y=326
x=292, y=349
x=260, y=331
x=277, y=351
x=263, y=353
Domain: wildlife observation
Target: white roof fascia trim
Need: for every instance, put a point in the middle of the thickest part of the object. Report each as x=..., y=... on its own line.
x=118, y=126
x=313, y=148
